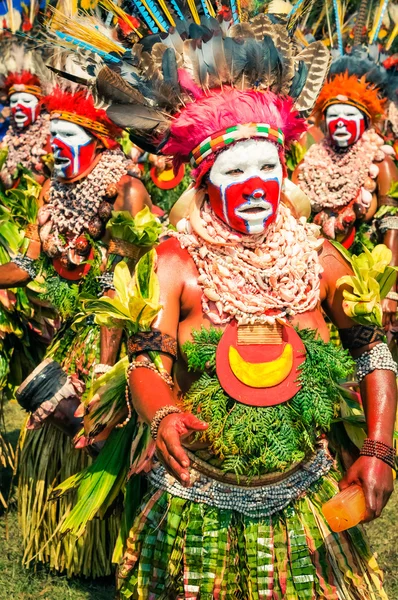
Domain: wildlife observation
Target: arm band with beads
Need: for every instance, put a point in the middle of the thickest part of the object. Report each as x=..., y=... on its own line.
x=378, y=357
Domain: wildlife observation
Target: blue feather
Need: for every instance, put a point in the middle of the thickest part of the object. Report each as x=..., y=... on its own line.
x=235, y=14
x=206, y=12
x=85, y=46
x=338, y=28
x=156, y=12
x=295, y=8
x=146, y=16
x=177, y=9
x=380, y=22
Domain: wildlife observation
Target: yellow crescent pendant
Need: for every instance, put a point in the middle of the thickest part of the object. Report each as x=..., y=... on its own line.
x=262, y=375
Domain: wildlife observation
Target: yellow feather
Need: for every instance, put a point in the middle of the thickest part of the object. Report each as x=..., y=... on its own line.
x=166, y=11
x=210, y=8
x=153, y=16
x=84, y=28
x=194, y=12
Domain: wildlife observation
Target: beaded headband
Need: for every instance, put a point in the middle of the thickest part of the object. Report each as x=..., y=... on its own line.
x=99, y=129
x=345, y=100
x=232, y=134
x=28, y=89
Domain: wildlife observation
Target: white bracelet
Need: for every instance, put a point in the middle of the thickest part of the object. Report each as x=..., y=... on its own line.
x=101, y=368
x=392, y=296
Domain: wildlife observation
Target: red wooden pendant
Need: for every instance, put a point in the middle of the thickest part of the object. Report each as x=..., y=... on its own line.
x=259, y=374
x=76, y=273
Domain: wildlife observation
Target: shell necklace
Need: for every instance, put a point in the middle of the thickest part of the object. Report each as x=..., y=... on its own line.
x=260, y=278
x=333, y=179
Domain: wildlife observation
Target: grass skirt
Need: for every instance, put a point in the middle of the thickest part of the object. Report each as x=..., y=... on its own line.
x=181, y=549
x=47, y=459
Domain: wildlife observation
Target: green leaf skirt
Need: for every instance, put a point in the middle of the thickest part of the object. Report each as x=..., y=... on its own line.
x=179, y=549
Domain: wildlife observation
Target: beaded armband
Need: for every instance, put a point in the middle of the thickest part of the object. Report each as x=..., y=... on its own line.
x=379, y=450
x=26, y=264
x=105, y=281
x=100, y=369
x=353, y=338
x=153, y=340
x=392, y=296
x=160, y=414
x=378, y=357
x=388, y=223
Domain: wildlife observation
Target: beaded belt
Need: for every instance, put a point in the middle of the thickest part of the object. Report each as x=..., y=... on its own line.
x=257, y=502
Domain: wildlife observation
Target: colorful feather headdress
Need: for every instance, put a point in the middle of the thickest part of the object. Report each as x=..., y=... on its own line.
x=356, y=79
x=203, y=80
x=194, y=89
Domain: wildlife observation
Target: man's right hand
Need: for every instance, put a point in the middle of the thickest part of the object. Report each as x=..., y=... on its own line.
x=172, y=430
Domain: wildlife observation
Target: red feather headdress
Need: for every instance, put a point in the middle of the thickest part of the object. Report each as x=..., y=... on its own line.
x=349, y=89
x=79, y=108
x=23, y=81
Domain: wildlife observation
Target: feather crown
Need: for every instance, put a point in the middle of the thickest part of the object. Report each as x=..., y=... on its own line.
x=198, y=55
x=345, y=88
x=202, y=122
x=78, y=106
x=193, y=62
x=24, y=70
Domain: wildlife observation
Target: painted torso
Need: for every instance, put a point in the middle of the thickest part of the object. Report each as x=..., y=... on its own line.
x=188, y=305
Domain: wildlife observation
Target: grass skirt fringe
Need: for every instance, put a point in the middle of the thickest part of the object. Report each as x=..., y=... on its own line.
x=48, y=458
x=181, y=549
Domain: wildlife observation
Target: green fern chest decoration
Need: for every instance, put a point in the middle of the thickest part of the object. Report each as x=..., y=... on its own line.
x=258, y=440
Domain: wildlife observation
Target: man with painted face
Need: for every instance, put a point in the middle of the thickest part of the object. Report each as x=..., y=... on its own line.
x=228, y=413
x=72, y=253
x=235, y=381
x=348, y=175
x=27, y=139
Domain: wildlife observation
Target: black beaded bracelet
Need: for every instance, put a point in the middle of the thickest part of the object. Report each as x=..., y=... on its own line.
x=379, y=450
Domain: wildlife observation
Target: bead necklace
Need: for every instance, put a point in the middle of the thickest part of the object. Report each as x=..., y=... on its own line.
x=260, y=278
x=331, y=178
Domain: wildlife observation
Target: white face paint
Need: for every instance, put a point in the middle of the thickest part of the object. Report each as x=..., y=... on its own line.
x=245, y=183
x=24, y=108
x=345, y=124
x=73, y=148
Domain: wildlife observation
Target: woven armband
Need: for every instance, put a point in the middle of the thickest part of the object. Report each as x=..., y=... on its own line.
x=26, y=264
x=154, y=340
x=378, y=358
x=32, y=232
x=353, y=338
x=123, y=248
x=387, y=201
